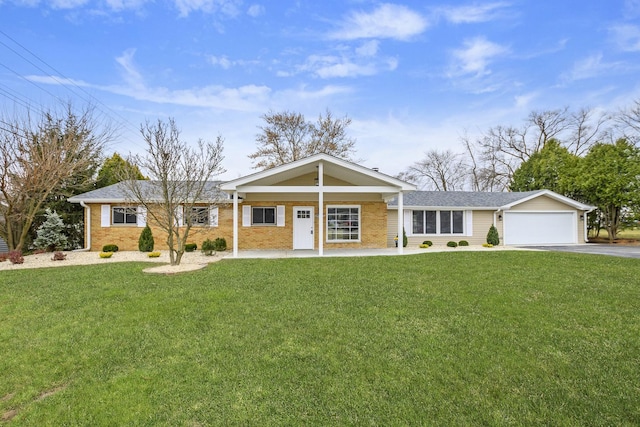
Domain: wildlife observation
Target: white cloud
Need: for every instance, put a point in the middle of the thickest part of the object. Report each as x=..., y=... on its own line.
x=386, y=21
x=68, y=4
x=590, y=67
x=627, y=37
x=524, y=101
x=475, y=56
x=632, y=8
x=118, y=5
x=368, y=48
x=255, y=10
x=131, y=74
x=347, y=64
x=473, y=13
x=222, y=61
x=228, y=8
x=345, y=69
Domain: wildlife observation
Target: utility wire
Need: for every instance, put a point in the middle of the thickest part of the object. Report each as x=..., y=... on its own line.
x=65, y=84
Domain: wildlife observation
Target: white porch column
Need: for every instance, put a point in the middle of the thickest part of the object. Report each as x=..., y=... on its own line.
x=235, y=224
x=400, y=223
x=320, y=209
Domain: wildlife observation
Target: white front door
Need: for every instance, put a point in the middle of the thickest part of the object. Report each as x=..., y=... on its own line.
x=303, y=227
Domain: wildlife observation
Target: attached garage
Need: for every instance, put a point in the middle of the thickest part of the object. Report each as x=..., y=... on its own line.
x=538, y=228
x=539, y=217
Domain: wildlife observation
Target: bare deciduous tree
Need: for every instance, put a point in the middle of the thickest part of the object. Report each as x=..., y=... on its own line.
x=587, y=128
x=37, y=156
x=629, y=120
x=439, y=171
x=483, y=169
x=287, y=137
x=502, y=149
x=180, y=181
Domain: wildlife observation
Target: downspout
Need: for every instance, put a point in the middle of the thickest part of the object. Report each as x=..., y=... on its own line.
x=584, y=224
x=495, y=223
x=235, y=223
x=87, y=226
x=400, y=223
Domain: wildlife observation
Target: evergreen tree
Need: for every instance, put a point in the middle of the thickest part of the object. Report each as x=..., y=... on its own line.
x=145, y=242
x=50, y=234
x=492, y=237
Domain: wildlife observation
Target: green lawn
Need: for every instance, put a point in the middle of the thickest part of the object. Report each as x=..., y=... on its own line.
x=455, y=338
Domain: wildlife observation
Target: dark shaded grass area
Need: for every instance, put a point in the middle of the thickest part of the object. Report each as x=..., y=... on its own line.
x=495, y=338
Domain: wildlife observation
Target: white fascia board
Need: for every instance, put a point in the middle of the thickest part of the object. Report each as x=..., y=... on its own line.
x=316, y=189
x=439, y=208
x=394, y=183
x=131, y=201
x=236, y=183
x=553, y=195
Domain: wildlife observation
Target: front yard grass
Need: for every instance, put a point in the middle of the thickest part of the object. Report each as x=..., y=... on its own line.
x=465, y=338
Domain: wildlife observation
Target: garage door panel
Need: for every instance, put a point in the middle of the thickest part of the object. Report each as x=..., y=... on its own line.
x=529, y=228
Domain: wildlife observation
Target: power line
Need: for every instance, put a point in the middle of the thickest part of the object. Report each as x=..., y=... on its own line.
x=66, y=84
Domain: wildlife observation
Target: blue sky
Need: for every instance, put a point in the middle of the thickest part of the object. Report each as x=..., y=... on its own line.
x=412, y=75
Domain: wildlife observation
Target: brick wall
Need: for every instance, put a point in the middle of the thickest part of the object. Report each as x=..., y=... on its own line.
x=373, y=229
x=126, y=236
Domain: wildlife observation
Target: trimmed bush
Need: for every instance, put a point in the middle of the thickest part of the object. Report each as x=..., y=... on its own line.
x=208, y=247
x=452, y=244
x=190, y=247
x=16, y=257
x=145, y=242
x=154, y=254
x=487, y=245
x=59, y=256
x=424, y=246
x=428, y=243
x=463, y=243
x=4, y=256
x=110, y=248
x=106, y=254
x=220, y=244
x=492, y=236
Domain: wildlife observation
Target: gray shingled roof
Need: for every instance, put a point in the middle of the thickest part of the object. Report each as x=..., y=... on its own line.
x=119, y=193
x=461, y=199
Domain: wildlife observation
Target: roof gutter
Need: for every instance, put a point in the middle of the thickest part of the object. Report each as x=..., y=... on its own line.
x=87, y=226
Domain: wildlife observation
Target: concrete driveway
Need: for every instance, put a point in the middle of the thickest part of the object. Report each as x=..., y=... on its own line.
x=626, y=251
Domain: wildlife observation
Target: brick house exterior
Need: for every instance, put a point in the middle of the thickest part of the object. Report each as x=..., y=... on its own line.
x=274, y=209
x=322, y=202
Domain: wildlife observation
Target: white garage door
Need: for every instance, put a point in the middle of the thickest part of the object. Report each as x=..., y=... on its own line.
x=539, y=228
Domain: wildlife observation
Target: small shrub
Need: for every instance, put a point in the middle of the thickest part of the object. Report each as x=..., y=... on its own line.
x=59, y=256
x=208, y=247
x=463, y=243
x=110, y=248
x=425, y=246
x=452, y=244
x=492, y=236
x=220, y=244
x=145, y=242
x=487, y=245
x=428, y=243
x=154, y=254
x=106, y=254
x=4, y=256
x=16, y=257
x=190, y=247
